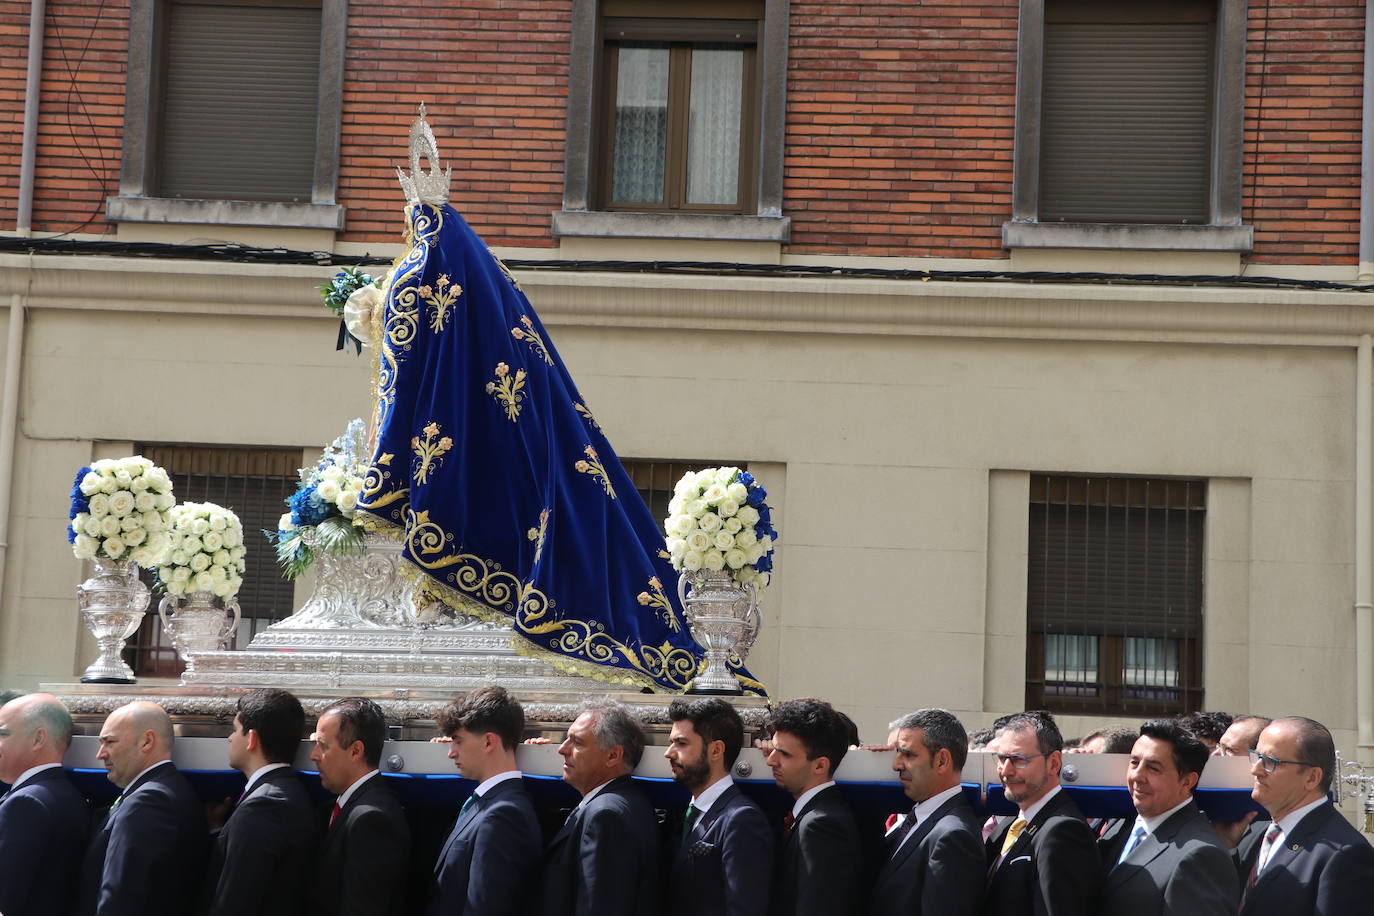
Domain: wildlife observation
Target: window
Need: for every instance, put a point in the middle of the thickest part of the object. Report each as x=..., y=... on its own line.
x=655, y=480
x=233, y=113
x=254, y=483
x=1115, y=595
x=675, y=120
x=1129, y=120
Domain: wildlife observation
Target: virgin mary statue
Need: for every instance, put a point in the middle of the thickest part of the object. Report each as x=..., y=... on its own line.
x=491, y=470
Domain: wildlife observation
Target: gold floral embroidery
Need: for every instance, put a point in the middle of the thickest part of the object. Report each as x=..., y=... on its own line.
x=429, y=451
x=594, y=467
x=586, y=414
x=509, y=390
x=531, y=337
x=656, y=599
x=537, y=535
x=441, y=300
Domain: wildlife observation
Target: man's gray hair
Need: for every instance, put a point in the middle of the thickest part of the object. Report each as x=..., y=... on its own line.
x=613, y=724
x=940, y=728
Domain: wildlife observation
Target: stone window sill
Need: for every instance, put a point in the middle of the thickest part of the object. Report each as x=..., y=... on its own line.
x=589, y=224
x=280, y=214
x=1122, y=236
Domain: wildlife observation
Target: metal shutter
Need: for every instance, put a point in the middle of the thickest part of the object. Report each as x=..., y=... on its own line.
x=240, y=100
x=1125, y=122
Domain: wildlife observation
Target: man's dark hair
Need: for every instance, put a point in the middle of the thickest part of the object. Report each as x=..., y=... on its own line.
x=981, y=738
x=940, y=728
x=1047, y=734
x=819, y=728
x=360, y=719
x=487, y=709
x=1207, y=726
x=1116, y=739
x=278, y=719
x=713, y=719
x=1315, y=746
x=1189, y=753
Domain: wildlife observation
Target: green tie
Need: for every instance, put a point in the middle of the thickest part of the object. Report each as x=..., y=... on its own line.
x=690, y=821
x=467, y=803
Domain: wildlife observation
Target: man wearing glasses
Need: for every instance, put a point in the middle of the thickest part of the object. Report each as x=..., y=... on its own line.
x=1043, y=861
x=1311, y=861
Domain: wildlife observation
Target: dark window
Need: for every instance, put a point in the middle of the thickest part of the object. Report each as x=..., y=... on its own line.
x=239, y=102
x=1126, y=111
x=679, y=101
x=254, y=483
x=1115, y=594
x=655, y=479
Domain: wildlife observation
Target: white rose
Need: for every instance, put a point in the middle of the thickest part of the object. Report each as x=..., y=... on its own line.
x=108, y=485
x=233, y=537
x=682, y=525
x=733, y=524
x=734, y=558
x=226, y=588
x=696, y=508
x=222, y=558
x=130, y=522
x=174, y=588
x=79, y=521
x=766, y=543
x=676, y=548
x=200, y=526
x=181, y=574
x=90, y=484
x=746, y=575
x=328, y=490
x=202, y=582
x=727, y=508
x=217, y=574
x=99, y=505
x=199, y=562
x=114, y=547
x=746, y=539
x=213, y=541
x=104, y=465
x=140, y=484
x=109, y=526
x=738, y=492
x=710, y=523
x=714, y=494
x=145, y=501
x=180, y=558
x=152, y=521
x=748, y=515
x=698, y=541
x=124, y=478
x=675, y=506
x=284, y=523
x=723, y=540
x=135, y=537
x=692, y=560
x=134, y=465
x=687, y=488
x=159, y=543
x=218, y=523
x=333, y=472
x=191, y=544
x=92, y=527
x=85, y=547
x=705, y=478
x=754, y=554
x=121, y=503
x=713, y=559
x=166, y=501
x=236, y=552
x=725, y=475
x=158, y=480
x=348, y=502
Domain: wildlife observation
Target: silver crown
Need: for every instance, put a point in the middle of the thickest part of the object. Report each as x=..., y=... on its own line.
x=424, y=187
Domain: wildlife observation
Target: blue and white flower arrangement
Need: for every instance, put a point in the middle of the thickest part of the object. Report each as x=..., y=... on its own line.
x=719, y=518
x=206, y=551
x=119, y=511
x=324, y=505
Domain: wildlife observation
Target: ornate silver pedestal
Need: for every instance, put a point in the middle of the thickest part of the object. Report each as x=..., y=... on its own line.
x=724, y=620
x=197, y=623
x=112, y=603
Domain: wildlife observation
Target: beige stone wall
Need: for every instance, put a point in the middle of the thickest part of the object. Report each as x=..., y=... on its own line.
x=894, y=423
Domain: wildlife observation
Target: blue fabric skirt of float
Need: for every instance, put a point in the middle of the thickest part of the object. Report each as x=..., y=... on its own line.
x=491, y=469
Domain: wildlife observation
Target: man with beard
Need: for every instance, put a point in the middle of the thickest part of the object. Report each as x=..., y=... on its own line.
x=1042, y=862
x=724, y=863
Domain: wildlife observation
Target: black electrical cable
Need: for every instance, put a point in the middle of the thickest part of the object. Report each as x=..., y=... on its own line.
x=245, y=254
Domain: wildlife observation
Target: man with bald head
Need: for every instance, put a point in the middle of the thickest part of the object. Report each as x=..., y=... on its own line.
x=149, y=856
x=42, y=817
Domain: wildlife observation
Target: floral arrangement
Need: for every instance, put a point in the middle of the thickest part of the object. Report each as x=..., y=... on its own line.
x=345, y=283
x=119, y=510
x=352, y=295
x=206, y=552
x=323, y=506
x=719, y=519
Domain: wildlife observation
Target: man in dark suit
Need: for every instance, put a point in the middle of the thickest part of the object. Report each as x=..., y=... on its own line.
x=1043, y=861
x=488, y=864
x=604, y=860
x=268, y=843
x=935, y=862
x=148, y=859
x=724, y=860
x=43, y=819
x=1168, y=861
x=361, y=867
x=818, y=868
x=1311, y=862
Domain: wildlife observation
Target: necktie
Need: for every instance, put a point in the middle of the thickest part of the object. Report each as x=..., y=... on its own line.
x=334, y=814
x=690, y=821
x=116, y=803
x=787, y=823
x=1137, y=835
x=1266, y=850
x=989, y=828
x=901, y=833
x=1016, y=827
x=467, y=803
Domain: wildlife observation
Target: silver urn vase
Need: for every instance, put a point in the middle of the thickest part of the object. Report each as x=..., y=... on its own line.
x=357, y=589
x=197, y=622
x=112, y=604
x=724, y=620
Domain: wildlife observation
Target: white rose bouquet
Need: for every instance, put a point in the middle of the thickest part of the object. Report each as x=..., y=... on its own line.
x=324, y=505
x=206, y=553
x=719, y=519
x=119, y=510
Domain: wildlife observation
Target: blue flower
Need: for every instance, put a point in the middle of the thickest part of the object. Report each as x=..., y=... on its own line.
x=307, y=508
x=71, y=535
x=766, y=515
x=79, y=501
x=745, y=478
x=756, y=497
x=764, y=564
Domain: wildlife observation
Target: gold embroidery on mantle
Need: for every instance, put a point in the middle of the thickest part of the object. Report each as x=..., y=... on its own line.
x=594, y=467
x=508, y=390
x=656, y=599
x=531, y=337
x=429, y=451
x=441, y=301
x=537, y=535
x=586, y=414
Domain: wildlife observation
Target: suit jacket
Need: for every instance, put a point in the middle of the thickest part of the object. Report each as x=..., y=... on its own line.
x=940, y=870
x=1182, y=869
x=486, y=865
x=604, y=860
x=263, y=850
x=1051, y=869
x=1325, y=867
x=148, y=859
x=364, y=858
x=43, y=827
x=819, y=866
x=725, y=865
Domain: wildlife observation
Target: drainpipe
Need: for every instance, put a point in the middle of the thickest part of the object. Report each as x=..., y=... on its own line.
x=9, y=422
x=1364, y=526
x=23, y=222
x=1367, y=153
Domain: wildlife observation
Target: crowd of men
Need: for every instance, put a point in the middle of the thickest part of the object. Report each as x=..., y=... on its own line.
x=154, y=852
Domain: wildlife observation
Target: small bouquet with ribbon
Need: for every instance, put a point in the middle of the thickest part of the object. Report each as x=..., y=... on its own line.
x=719, y=518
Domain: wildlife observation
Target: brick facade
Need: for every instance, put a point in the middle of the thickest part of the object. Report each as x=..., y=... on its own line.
x=899, y=130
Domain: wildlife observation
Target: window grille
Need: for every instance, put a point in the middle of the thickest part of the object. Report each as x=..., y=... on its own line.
x=655, y=479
